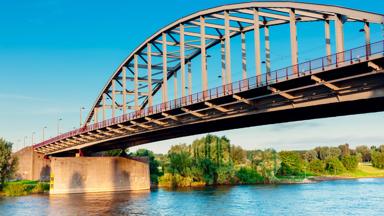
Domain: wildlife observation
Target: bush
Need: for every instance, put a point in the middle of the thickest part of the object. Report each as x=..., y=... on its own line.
x=248, y=175
x=16, y=190
x=378, y=159
x=175, y=180
x=40, y=188
x=334, y=166
x=350, y=162
x=226, y=175
x=317, y=166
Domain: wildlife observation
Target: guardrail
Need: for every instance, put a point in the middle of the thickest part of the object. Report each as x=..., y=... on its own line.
x=336, y=60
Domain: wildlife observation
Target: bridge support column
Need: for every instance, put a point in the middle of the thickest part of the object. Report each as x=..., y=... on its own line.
x=136, y=82
x=189, y=78
x=223, y=71
x=203, y=55
x=339, y=29
x=367, y=33
x=267, y=52
x=149, y=70
x=227, y=48
x=124, y=80
x=243, y=56
x=328, y=50
x=104, y=107
x=256, y=31
x=182, y=60
x=165, y=69
x=98, y=174
x=294, y=50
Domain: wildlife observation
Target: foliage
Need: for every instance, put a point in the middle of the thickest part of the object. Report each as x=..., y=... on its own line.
x=310, y=155
x=247, y=175
x=334, y=166
x=365, y=153
x=8, y=163
x=153, y=163
x=291, y=163
x=267, y=164
x=226, y=175
x=16, y=190
x=317, y=166
x=344, y=150
x=41, y=187
x=350, y=162
x=378, y=159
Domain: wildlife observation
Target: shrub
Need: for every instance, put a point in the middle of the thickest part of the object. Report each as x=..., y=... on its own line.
x=317, y=166
x=175, y=180
x=40, y=187
x=334, y=166
x=16, y=190
x=226, y=175
x=350, y=162
x=291, y=163
x=248, y=175
x=378, y=159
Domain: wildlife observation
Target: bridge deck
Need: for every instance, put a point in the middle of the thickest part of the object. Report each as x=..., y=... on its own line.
x=282, y=95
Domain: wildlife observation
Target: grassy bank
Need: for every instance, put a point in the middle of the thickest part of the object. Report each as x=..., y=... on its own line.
x=24, y=187
x=364, y=170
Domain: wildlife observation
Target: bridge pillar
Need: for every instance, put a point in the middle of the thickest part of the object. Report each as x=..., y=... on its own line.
x=267, y=52
x=98, y=174
x=367, y=32
x=293, y=32
x=327, y=30
x=339, y=29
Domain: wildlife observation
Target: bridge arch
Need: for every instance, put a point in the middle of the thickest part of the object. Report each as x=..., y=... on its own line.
x=125, y=91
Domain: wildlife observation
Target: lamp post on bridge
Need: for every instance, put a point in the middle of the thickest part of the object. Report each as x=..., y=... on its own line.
x=58, y=125
x=25, y=137
x=33, y=133
x=45, y=127
x=81, y=112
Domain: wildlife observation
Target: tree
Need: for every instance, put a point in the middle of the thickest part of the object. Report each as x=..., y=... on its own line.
x=153, y=163
x=291, y=163
x=350, y=162
x=267, y=164
x=334, y=166
x=310, y=155
x=8, y=163
x=317, y=166
x=238, y=155
x=180, y=160
x=345, y=151
x=365, y=153
x=378, y=159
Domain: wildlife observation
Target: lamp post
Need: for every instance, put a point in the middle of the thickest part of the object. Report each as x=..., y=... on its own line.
x=25, y=137
x=58, y=125
x=45, y=127
x=33, y=133
x=81, y=112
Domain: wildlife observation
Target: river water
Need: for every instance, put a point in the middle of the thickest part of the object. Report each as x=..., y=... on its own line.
x=342, y=197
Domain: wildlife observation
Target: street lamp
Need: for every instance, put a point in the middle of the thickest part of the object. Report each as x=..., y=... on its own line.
x=25, y=137
x=58, y=125
x=33, y=133
x=81, y=112
x=45, y=127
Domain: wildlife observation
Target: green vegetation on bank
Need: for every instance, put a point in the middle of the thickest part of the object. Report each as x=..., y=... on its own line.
x=213, y=160
x=25, y=187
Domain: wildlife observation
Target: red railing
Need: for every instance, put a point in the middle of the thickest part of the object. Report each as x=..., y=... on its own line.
x=347, y=57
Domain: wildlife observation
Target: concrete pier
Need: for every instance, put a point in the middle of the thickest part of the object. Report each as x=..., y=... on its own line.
x=32, y=165
x=98, y=174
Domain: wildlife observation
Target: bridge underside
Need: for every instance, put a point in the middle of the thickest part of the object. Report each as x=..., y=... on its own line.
x=345, y=90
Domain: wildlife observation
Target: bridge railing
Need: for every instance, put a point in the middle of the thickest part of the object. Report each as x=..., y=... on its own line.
x=330, y=62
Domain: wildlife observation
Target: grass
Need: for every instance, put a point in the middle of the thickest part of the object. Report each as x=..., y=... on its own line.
x=364, y=170
x=25, y=187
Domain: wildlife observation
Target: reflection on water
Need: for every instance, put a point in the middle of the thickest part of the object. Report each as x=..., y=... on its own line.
x=346, y=197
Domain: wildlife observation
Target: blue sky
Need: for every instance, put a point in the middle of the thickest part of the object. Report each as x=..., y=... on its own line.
x=56, y=55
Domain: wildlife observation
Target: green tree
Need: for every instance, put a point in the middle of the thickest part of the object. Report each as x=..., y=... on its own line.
x=267, y=163
x=153, y=163
x=291, y=163
x=350, y=162
x=180, y=160
x=345, y=151
x=334, y=166
x=378, y=159
x=8, y=163
x=310, y=155
x=365, y=153
x=247, y=175
x=317, y=166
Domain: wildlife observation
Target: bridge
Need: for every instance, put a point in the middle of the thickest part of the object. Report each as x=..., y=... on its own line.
x=141, y=104
x=123, y=115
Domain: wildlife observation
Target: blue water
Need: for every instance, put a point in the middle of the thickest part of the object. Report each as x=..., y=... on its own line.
x=342, y=197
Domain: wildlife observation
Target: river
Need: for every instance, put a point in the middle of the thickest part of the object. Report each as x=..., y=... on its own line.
x=341, y=197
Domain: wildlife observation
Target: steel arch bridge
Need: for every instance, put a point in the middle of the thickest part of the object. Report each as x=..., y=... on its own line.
x=124, y=114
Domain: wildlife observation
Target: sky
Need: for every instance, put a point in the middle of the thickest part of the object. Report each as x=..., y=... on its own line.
x=56, y=55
